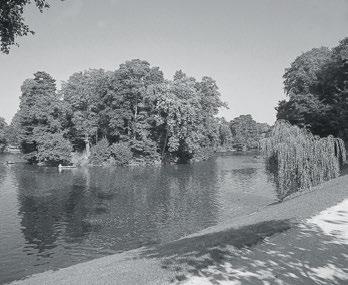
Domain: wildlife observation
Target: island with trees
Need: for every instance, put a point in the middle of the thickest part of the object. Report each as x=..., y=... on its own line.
x=130, y=115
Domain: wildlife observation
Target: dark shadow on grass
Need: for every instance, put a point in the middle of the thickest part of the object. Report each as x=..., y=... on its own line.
x=296, y=254
x=191, y=255
x=238, y=238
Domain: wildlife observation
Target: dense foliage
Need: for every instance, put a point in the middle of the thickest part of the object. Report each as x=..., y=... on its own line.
x=132, y=114
x=300, y=160
x=54, y=148
x=8, y=133
x=100, y=152
x=317, y=86
x=134, y=109
x=12, y=23
x=12, y=131
x=83, y=96
x=40, y=117
x=120, y=154
x=247, y=132
x=3, y=139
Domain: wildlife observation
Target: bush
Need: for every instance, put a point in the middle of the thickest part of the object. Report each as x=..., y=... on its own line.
x=2, y=147
x=79, y=158
x=203, y=153
x=100, y=152
x=3, y=139
x=54, y=149
x=144, y=152
x=120, y=154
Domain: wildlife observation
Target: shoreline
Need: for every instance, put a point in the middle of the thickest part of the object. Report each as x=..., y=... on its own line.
x=132, y=164
x=145, y=265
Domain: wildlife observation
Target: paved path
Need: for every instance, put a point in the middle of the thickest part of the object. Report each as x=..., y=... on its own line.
x=313, y=252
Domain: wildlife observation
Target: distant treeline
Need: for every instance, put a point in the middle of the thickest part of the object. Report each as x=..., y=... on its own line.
x=130, y=114
x=317, y=87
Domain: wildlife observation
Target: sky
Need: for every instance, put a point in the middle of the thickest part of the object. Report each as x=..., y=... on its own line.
x=244, y=45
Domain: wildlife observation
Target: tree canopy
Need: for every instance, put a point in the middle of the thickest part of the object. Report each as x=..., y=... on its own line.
x=317, y=87
x=131, y=113
x=247, y=132
x=3, y=139
x=82, y=95
x=40, y=115
x=12, y=24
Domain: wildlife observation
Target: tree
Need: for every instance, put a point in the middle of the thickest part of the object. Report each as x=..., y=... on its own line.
x=303, y=76
x=12, y=132
x=100, y=152
x=306, y=112
x=39, y=113
x=210, y=101
x=121, y=153
x=225, y=134
x=182, y=126
x=184, y=118
x=83, y=94
x=3, y=139
x=183, y=112
x=53, y=148
x=316, y=84
x=12, y=23
x=335, y=90
x=163, y=102
x=244, y=131
x=300, y=160
x=129, y=111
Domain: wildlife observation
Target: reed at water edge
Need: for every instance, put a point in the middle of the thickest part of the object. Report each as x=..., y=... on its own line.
x=300, y=160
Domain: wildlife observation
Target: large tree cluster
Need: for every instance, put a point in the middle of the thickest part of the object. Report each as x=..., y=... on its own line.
x=316, y=84
x=133, y=106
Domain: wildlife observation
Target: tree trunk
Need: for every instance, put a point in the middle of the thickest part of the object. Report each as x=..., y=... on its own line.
x=88, y=151
x=135, y=119
x=165, y=143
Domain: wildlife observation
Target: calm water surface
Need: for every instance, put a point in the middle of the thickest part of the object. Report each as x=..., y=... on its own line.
x=51, y=219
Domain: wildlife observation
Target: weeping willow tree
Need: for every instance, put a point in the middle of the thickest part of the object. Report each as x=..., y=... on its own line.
x=299, y=160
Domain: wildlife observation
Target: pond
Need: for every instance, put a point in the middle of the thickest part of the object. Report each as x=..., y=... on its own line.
x=51, y=219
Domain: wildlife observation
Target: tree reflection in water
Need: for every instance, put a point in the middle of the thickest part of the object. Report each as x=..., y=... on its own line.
x=81, y=214
x=63, y=218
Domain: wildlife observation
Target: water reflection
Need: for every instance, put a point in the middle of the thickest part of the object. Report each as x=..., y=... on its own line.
x=76, y=215
x=140, y=206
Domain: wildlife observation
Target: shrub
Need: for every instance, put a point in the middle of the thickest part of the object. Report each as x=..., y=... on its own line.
x=54, y=149
x=203, y=153
x=100, y=152
x=144, y=152
x=79, y=158
x=300, y=160
x=3, y=135
x=2, y=147
x=120, y=153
